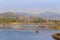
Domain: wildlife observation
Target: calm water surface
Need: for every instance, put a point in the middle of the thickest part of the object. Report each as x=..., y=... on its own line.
x=44, y=34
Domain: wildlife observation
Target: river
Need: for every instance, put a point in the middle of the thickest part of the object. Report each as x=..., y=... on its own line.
x=44, y=34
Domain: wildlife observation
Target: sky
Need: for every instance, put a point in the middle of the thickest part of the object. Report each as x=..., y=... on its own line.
x=30, y=6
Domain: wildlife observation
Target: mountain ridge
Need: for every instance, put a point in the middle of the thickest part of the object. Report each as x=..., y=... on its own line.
x=19, y=16
x=50, y=15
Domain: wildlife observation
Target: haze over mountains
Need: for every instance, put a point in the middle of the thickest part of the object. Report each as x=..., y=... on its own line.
x=20, y=16
x=30, y=16
x=51, y=15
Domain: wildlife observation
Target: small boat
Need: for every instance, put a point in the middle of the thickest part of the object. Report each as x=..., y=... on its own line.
x=37, y=31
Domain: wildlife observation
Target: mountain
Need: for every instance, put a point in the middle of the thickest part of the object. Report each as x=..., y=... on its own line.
x=20, y=16
x=50, y=15
x=26, y=14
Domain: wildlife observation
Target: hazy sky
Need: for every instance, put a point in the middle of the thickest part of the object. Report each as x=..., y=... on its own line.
x=30, y=6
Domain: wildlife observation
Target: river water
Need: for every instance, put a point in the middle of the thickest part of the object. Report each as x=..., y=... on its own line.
x=44, y=34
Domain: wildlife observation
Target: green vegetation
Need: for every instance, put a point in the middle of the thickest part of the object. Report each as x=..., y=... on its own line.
x=14, y=20
x=39, y=21
x=57, y=23
x=8, y=20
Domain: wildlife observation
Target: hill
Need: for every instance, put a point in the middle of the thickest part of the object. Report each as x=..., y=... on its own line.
x=50, y=15
x=21, y=16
